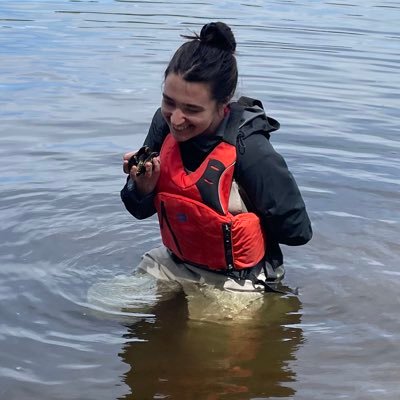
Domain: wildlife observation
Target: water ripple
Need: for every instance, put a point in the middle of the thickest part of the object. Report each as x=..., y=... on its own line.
x=80, y=82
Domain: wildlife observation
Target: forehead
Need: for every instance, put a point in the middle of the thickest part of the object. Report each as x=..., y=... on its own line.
x=182, y=91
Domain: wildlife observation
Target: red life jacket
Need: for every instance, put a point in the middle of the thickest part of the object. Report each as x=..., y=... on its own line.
x=193, y=212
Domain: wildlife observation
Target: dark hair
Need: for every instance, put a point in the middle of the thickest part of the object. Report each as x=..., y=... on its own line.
x=208, y=57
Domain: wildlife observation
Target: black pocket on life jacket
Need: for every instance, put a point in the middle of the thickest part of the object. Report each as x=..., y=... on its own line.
x=164, y=217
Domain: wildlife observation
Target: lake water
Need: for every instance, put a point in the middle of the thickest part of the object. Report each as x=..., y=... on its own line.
x=79, y=82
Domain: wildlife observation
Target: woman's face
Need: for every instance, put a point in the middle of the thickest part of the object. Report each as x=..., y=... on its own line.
x=189, y=108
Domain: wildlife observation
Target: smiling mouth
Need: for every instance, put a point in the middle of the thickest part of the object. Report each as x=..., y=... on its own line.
x=180, y=128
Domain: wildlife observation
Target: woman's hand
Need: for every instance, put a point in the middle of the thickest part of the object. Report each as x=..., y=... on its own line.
x=145, y=183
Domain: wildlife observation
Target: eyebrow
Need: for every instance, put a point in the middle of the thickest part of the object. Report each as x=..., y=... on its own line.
x=197, y=107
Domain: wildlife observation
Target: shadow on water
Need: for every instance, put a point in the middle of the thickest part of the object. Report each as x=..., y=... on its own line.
x=179, y=358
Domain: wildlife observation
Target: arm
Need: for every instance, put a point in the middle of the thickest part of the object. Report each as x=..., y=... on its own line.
x=273, y=192
x=141, y=206
x=157, y=132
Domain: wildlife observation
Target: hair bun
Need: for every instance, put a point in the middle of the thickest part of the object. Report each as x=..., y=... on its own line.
x=218, y=34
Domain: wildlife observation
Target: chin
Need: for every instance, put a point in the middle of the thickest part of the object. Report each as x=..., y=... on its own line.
x=182, y=136
x=179, y=138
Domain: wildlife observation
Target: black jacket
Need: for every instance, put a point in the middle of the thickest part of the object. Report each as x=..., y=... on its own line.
x=267, y=185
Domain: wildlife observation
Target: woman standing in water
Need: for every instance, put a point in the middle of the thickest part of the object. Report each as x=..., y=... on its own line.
x=225, y=198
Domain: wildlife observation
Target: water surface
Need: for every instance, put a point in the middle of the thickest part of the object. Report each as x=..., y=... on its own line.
x=79, y=83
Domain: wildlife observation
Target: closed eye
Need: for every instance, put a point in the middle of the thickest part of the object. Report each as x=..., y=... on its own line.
x=167, y=101
x=186, y=108
x=192, y=110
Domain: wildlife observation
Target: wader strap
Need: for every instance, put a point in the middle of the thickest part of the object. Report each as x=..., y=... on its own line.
x=272, y=280
x=272, y=288
x=273, y=277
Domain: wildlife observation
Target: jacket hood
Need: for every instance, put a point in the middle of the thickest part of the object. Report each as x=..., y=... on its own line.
x=254, y=119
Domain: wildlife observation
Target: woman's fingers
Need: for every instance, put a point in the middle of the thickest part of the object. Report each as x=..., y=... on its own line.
x=132, y=173
x=126, y=157
x=153, y=168
x=156, y=165
x=145, y=182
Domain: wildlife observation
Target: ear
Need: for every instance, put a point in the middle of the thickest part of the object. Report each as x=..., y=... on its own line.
x=222, y=109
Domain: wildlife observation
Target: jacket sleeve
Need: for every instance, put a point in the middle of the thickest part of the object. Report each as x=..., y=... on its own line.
x=272, y=192
x=142, y=207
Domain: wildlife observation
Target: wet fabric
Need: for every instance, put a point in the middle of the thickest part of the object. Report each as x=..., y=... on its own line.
x=159, y=263
x=211, y=296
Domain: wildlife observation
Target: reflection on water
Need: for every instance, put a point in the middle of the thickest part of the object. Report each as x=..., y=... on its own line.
x=192, y=342
x=181, y=358
x=79, y=83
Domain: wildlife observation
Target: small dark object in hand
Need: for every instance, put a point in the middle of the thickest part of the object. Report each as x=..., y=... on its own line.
x=140, y=159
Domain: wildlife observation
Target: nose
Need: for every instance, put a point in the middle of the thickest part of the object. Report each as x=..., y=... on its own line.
x=177, y=117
